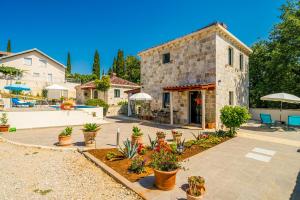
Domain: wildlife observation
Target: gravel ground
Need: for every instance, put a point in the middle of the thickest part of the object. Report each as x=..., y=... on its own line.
x=30, y=173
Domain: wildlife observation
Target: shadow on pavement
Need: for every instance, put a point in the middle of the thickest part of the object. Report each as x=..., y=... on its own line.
x=296, y=192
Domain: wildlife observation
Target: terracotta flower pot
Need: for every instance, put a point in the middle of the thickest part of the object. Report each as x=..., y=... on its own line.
x=165, y=180
x=66, y=107
x=191, y=197
x=89, y=138
x=211, y=125
x=64, y=140
x=4, y=128
x=177, y=138
x=137, y=139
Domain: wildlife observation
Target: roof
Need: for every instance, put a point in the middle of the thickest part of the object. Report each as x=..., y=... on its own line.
x=133, y=91
x=4, y=53
x=114, y=80
x=31, y=50
x=216, y=26
x=187, y=87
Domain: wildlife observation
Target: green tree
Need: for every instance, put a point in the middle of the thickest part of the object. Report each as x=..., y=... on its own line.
x=114, y=66
x=103, y=84
x=96, y=64
x=8, y=48
x=275, y=63
x=233, y=117
x=69, y=66
x=120, y=64
x=133, y=69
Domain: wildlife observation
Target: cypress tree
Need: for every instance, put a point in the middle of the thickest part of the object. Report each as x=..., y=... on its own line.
x=69, y=66
x=96, y=64
x=120, y=64
x=8, y=48
x=114, y=66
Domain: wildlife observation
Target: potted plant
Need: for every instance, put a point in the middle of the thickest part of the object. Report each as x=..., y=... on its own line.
x=4, y=126
x=64, y=138
x=160, y=135
x=90, y=131
x=166, y=166
x=137, y=135
x=196, y=188
x=176, y=136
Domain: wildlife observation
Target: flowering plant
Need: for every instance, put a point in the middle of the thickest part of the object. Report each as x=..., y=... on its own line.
x=141, y=149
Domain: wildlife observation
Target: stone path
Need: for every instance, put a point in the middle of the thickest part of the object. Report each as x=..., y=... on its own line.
x=30, y=173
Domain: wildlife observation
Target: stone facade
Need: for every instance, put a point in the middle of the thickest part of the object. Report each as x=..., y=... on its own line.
x=199, y=58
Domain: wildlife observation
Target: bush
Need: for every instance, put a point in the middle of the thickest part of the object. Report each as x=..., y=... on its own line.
x=233, y=117
x=98, y=102
x=165, y=161
x=4, y=119
x=138, y=165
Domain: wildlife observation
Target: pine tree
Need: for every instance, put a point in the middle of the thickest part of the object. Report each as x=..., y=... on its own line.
x=120, y=64
x=110, y=71
x=103, y=73
x=8, y=49
x=96, y=64
x=69, y=66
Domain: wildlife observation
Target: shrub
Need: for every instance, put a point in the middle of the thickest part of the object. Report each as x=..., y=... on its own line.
x=122, y=103
x=189, y=144
x=233, y=117
x=137, y=165
x=173, y=146
x=165, y=161
x=67, y=131
x=4, y=119
x=44, y=93
x=98, y=102
x=153, y=143
x=91, y=127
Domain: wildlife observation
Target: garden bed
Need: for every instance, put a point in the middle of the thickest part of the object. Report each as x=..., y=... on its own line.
x=121, y=166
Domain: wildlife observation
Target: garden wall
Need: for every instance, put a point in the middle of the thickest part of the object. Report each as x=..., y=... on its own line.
x=275, y=113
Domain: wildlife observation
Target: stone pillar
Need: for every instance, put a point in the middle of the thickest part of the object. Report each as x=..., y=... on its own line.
x=129, y=107
x=171, y=108
x=91, y=93
x=203, y=108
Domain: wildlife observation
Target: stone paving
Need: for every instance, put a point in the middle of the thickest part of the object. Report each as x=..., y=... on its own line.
x=258, y=164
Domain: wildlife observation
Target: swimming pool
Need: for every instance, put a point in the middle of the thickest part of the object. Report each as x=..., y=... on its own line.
x=75, y=107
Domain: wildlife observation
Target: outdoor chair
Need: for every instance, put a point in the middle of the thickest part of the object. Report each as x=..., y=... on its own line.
x=266, y=119
x=18, y=103
x=293, y=121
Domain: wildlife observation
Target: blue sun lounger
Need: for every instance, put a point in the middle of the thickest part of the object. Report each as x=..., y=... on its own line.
x=17, y=103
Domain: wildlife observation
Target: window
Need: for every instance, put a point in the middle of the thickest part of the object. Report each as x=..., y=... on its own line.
x=231, y=98
x=230, y=56
x=117, y=93
x=166, y=100
x=241, y=62
x=50, y=78
x=35, y=74
x=28, y=61
x=166, y=58
x=43, y=63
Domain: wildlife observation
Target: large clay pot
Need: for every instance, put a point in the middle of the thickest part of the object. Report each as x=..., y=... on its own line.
x=89, y=138
x=137, y=139
x=165, y=180
x=4, y=128
x=64, y=140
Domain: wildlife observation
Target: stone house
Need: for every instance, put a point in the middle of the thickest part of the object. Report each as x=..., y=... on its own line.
x=40, y=71
x=113, y=96
x=194, y=76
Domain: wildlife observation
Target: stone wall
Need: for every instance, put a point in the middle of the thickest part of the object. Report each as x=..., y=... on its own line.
x=230, y=78
x=192, y=61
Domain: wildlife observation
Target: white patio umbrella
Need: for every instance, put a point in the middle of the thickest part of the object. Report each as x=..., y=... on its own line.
x=282, y=97
x=56, y=87
x=140, y=97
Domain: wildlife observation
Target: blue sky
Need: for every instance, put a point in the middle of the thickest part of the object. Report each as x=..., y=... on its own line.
x=81, y=26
